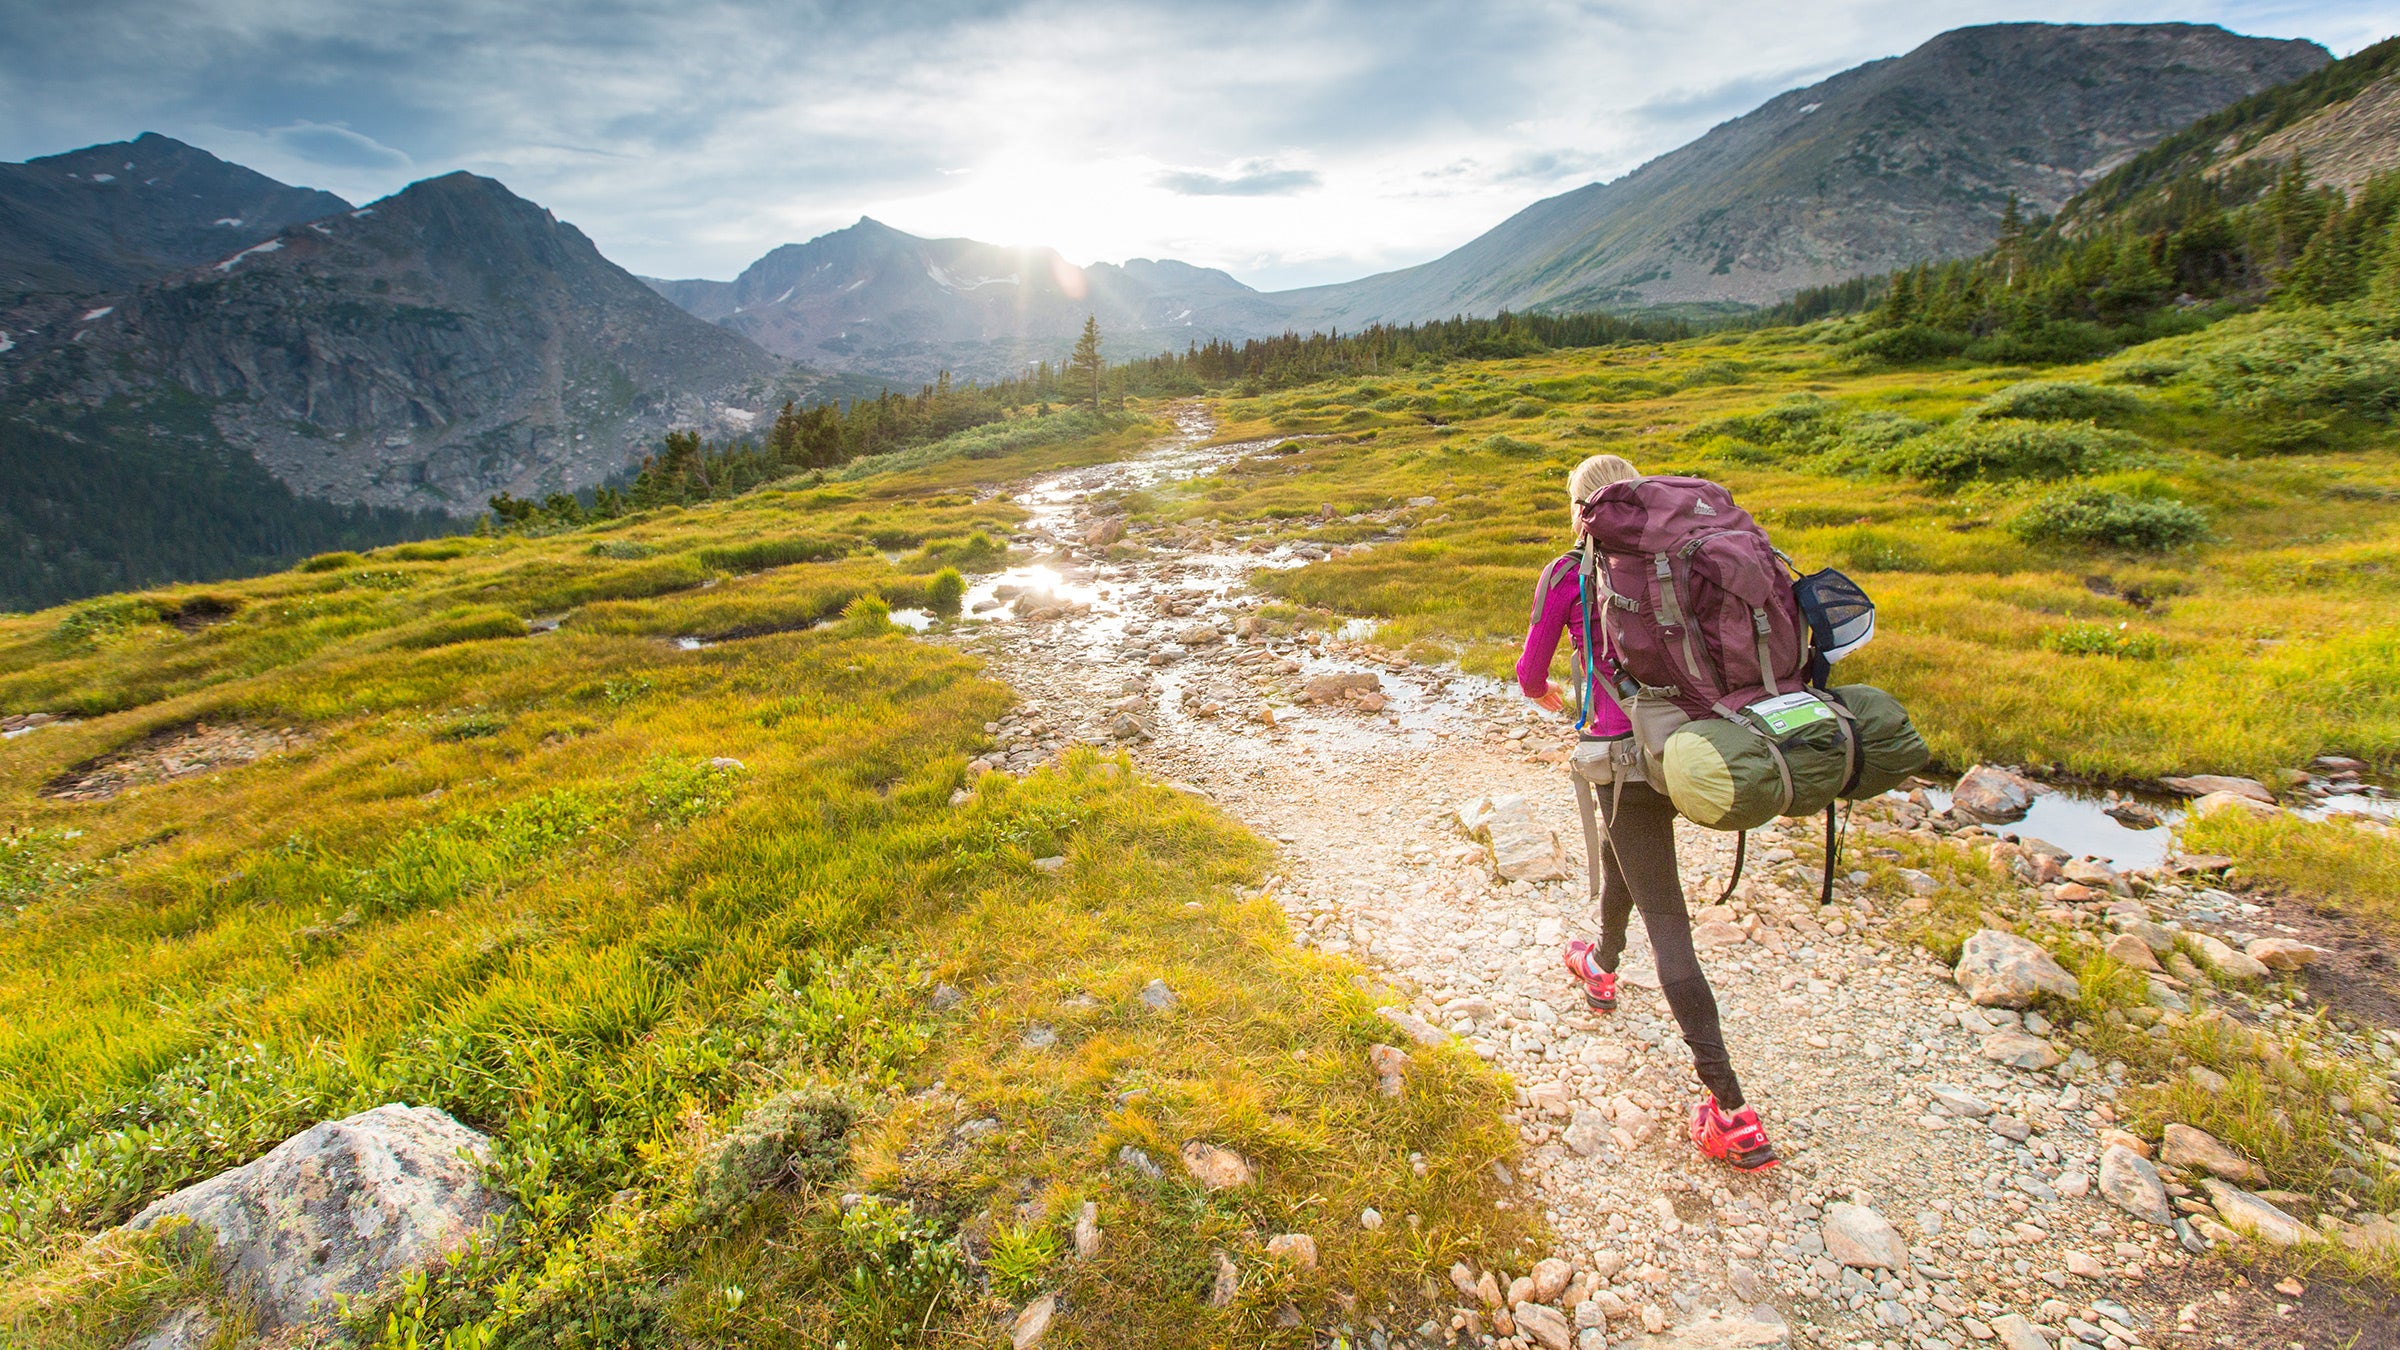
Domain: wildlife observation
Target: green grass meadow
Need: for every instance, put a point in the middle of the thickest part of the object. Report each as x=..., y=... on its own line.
x=495, y=870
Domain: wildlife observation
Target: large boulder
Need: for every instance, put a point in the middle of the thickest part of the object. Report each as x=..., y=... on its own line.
x=1858, y=1236
x=1992, y=795
x=2003, y=970
x=340, y=1207
x=2255, y=1216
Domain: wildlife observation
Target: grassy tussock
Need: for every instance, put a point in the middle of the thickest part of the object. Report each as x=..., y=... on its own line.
x=499, y=874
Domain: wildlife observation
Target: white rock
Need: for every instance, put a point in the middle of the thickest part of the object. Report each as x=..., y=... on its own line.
x=1087, y=1231
x=2015, y=1333
x=2282, y=953
x=2018, y=1050
x=1546, y=1325
x=1952, y=1101
x=1757, y=1327
x=2128, y=1181
x=1297, y=1248
x=2188, y=1149
x=1550, y=1276
x=2233, y=801
x=1858, y=1236
x=1418, y=1029
x=2003, y=970
x=1587, y=1134
x=2247, y=1213
x=1033, y=1323
x=1216, y=1168
x=2222, y=958
x=1992, y=795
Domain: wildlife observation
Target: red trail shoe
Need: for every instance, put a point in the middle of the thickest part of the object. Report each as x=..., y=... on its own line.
x=1599, y=986
x=1737, y=1139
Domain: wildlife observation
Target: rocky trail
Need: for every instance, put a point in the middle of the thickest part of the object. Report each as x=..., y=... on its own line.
x=1951, y=1177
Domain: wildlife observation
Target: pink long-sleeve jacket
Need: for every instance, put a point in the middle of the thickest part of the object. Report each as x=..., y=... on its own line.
x=1557, y=606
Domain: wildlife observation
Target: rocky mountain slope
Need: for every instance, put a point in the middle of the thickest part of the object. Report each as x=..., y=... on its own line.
x=112, y=216
x=446, y=343
x=2342, y=121
x=1893, y=162
x=879, y=301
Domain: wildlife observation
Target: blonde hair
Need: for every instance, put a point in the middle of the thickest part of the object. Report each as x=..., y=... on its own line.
x=1592, y=475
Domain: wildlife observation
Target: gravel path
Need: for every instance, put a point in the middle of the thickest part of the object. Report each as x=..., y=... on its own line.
x=1841, y=1035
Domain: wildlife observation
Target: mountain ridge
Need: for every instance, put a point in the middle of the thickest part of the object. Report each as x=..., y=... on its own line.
x=1807, y=216
x=115, y=215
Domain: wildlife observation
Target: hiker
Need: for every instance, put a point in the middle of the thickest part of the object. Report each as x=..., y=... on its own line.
x=1638, y=855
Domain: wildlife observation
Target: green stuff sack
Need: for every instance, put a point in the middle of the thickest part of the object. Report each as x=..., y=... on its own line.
x=1789, y=756
x=1889, y=749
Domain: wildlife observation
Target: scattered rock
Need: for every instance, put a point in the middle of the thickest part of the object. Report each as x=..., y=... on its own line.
x=2188, y=1148
x=2128, y=949
x=1216, y=1168
x=1033, y=1323
x=1718, y=933
x=1157, y=996
x=1858, y=1236
x=1087, y=1231
x=1757, y=1327
x=1521, y=849
x=1418, y=1029
x=1137, y=1160
x=1546, y=1325
x=1992, y=795
x=2256, y=1216
x=2013, y=1332
x=1297, y=1248
x=1550, y=1276
x=1228, y=1284
x=2282, y=953
x=1370, y=1219
x=2210, y=784
x=2233, y=801
x=2132, y=815
x=1959, y=1102
x=2223, y=959
x=1390, y=1064
x=2018, y=1050
x=340, y=1207
x=2003, y=970
x=2128, y=1181
x=1587, y=1134
x=1199, y=635
x=1050, y=864
x=1040, y=1036
x=2139, y=1146
x=1332, y=688
x=946, y=997
x=1128, y=727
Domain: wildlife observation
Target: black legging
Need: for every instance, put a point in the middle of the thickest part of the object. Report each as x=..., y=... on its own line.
x=1638, y=872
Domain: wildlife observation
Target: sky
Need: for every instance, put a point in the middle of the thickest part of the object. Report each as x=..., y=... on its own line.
x=1290, y=142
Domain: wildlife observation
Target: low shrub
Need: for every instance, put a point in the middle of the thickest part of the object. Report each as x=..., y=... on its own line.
x=1509, y=446
x=330, y=562
x=1902, y=346
x=623, y=550
x=432, y=550
x=2092, y=639
x=2089, y=515
x=2008, y=447
x=793, y=1139
x=2054, y=401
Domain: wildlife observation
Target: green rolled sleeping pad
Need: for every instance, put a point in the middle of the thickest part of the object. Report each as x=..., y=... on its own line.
x=1790, y=756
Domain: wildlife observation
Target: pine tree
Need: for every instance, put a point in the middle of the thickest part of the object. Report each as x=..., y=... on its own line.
x=1084, y=365
x=2012, y=241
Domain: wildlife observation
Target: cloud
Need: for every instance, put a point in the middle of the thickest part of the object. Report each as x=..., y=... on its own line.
x=338, y=147
x=688, y=137
x=1248, y=183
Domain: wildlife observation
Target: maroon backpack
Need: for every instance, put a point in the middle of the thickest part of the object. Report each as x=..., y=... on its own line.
x=1693, y=603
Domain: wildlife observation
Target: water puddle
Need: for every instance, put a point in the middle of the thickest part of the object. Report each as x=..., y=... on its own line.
x=2078, y=822
x=914, y=620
